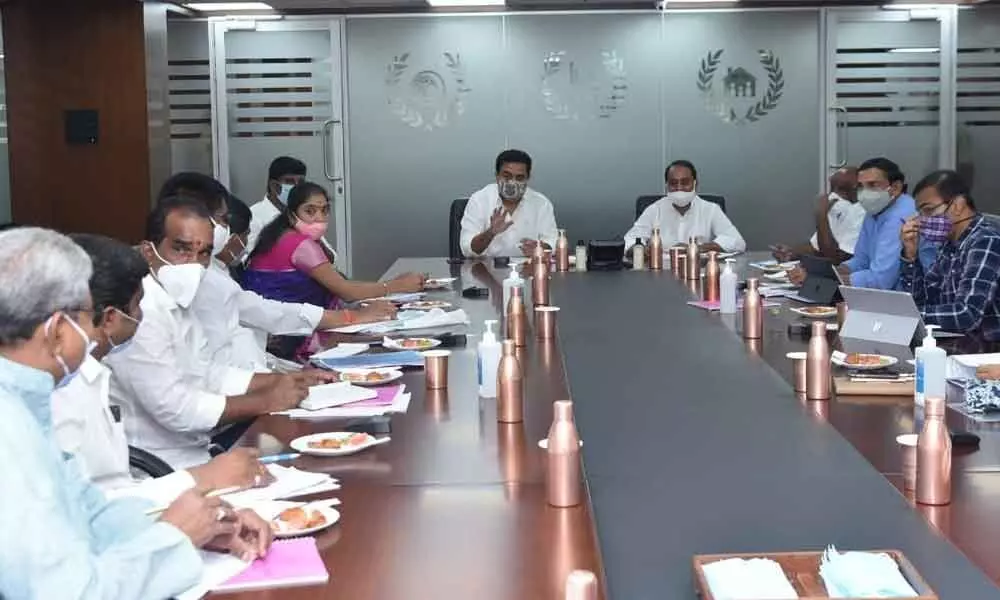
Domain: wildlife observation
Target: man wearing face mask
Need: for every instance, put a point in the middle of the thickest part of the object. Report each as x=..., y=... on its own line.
x=64, y=538
x=507, y=218
x=876, y=254
x=682, y=214
x=959, y=290
x=284, y=173
x=173, y=395
x=838, y=222
x=88, y=426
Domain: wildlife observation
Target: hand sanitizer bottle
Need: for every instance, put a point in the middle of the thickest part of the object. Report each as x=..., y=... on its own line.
x=514, y=279
x=930, y=361
x=488, y=360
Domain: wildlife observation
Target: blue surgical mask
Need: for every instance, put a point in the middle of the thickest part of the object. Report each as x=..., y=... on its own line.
x=116, y=348
x=68, y=375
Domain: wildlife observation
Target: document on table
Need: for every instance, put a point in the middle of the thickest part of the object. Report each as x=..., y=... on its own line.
x=389, y=400
x=411, y=319
x=863, y=575
x=288, y=482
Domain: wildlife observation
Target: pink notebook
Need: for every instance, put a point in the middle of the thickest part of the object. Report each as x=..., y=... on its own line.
x=289, y=563
x=386, y=396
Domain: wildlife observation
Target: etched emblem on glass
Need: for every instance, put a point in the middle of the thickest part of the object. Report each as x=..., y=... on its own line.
x=427, y=97
x=735, y=98
x=571, y=91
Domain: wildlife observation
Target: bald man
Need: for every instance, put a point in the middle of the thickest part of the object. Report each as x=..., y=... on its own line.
x=838, y=221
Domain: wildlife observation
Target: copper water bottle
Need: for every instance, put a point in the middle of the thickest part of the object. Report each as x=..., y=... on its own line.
x=934, y=456
x=655, y=251
x=540, y=283
x=818, y=364
x=563, y=484
x=510, y=386
x=711, y=282
x=693, y=260
x=581, y=585
x=562, y=252
x=516, y=318
x=753, y=312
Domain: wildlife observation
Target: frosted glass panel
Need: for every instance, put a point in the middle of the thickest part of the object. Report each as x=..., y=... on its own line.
x=584, y=102
x=190, y=96
x=741, y=101
x=978, y=132
x=426, y=119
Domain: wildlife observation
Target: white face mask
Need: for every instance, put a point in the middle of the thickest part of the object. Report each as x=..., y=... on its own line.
x=220, y=236
x=181, y=282
x=874, y=201
x=116, y=348
x=286, y=188
x=834, y=198
x=681, y=198
x=68, y=375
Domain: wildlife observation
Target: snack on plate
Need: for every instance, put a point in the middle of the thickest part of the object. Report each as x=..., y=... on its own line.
x=298, y=519
x=818, y=310
x=865, y=360
x=416, y=343
x=335, y=443
x=370, y=377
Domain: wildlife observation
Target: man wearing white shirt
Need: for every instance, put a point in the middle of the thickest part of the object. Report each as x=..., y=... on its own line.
x=172, y=394
x=838, y=221
x=507, y=218
x=284, y=173
x=682, y=214
x=86, y=424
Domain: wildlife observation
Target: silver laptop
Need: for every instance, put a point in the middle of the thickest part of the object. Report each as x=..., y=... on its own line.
x=882, y=322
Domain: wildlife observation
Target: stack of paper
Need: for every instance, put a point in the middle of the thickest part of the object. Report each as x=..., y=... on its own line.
x=412, y=319
x=716, y=305
x=405, y=358
x=335, y=394
x=342, y=350
x=292, y=562
x=389, y=400
x=748, y=579
x=401, y=297
x=863, y=575
x=288, y=482
x=963, y=366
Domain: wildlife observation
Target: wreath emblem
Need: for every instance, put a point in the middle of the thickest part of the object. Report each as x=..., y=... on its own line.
x=427, y=99
x=739, y=85
x=607, y=97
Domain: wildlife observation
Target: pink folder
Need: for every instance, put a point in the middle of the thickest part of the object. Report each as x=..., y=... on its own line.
x=289, y=563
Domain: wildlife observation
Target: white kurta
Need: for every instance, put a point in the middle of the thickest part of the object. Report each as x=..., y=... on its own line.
x=703, y=220
x=533, y=218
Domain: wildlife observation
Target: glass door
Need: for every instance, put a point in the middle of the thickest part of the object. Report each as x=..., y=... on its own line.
x=277, y=91
x=885, y=86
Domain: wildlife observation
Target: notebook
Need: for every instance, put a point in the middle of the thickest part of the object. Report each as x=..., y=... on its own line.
x=289, y=563
x=335, y=394
x=406, y=358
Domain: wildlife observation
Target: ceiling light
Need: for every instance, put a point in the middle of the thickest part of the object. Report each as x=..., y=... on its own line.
x=913, y=50
x=468, y=3
x=227, y=6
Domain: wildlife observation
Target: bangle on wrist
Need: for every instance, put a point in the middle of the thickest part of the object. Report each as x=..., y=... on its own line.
x=385, y=286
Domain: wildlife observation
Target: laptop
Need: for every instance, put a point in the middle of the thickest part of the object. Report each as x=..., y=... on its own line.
x=882, y=322
x=821, y=282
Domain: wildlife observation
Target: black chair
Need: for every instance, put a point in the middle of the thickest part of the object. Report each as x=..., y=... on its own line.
x=455, y=228
x=143, y=463
x=643, y=202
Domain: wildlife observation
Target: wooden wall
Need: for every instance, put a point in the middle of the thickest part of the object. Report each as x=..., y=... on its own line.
x=77, y=54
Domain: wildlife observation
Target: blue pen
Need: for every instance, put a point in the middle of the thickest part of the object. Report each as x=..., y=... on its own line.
x=278, y=458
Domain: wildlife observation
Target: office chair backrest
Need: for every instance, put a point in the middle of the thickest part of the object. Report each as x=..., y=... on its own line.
x=644, y=202
x=455, y=227
x=144, y=464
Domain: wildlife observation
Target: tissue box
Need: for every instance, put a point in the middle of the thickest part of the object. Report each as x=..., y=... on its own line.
x=802, y=571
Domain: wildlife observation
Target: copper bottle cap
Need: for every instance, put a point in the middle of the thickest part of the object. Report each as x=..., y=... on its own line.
x=934, y=407
x=819, y=328
x=563, y=410
x=508, y=347
x=752, y=283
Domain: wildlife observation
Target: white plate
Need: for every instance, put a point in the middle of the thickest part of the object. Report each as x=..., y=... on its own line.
x=829, y=311
x=426, y=305
x=393, y=375
x=302, y=444
x=395, y=344
x=839, y=360
x=332, y=516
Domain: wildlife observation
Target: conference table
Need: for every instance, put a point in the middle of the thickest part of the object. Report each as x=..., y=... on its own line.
x=694, y=443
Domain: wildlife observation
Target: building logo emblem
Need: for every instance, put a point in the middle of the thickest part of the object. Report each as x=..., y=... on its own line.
x=430, y=98
x=737, y=101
